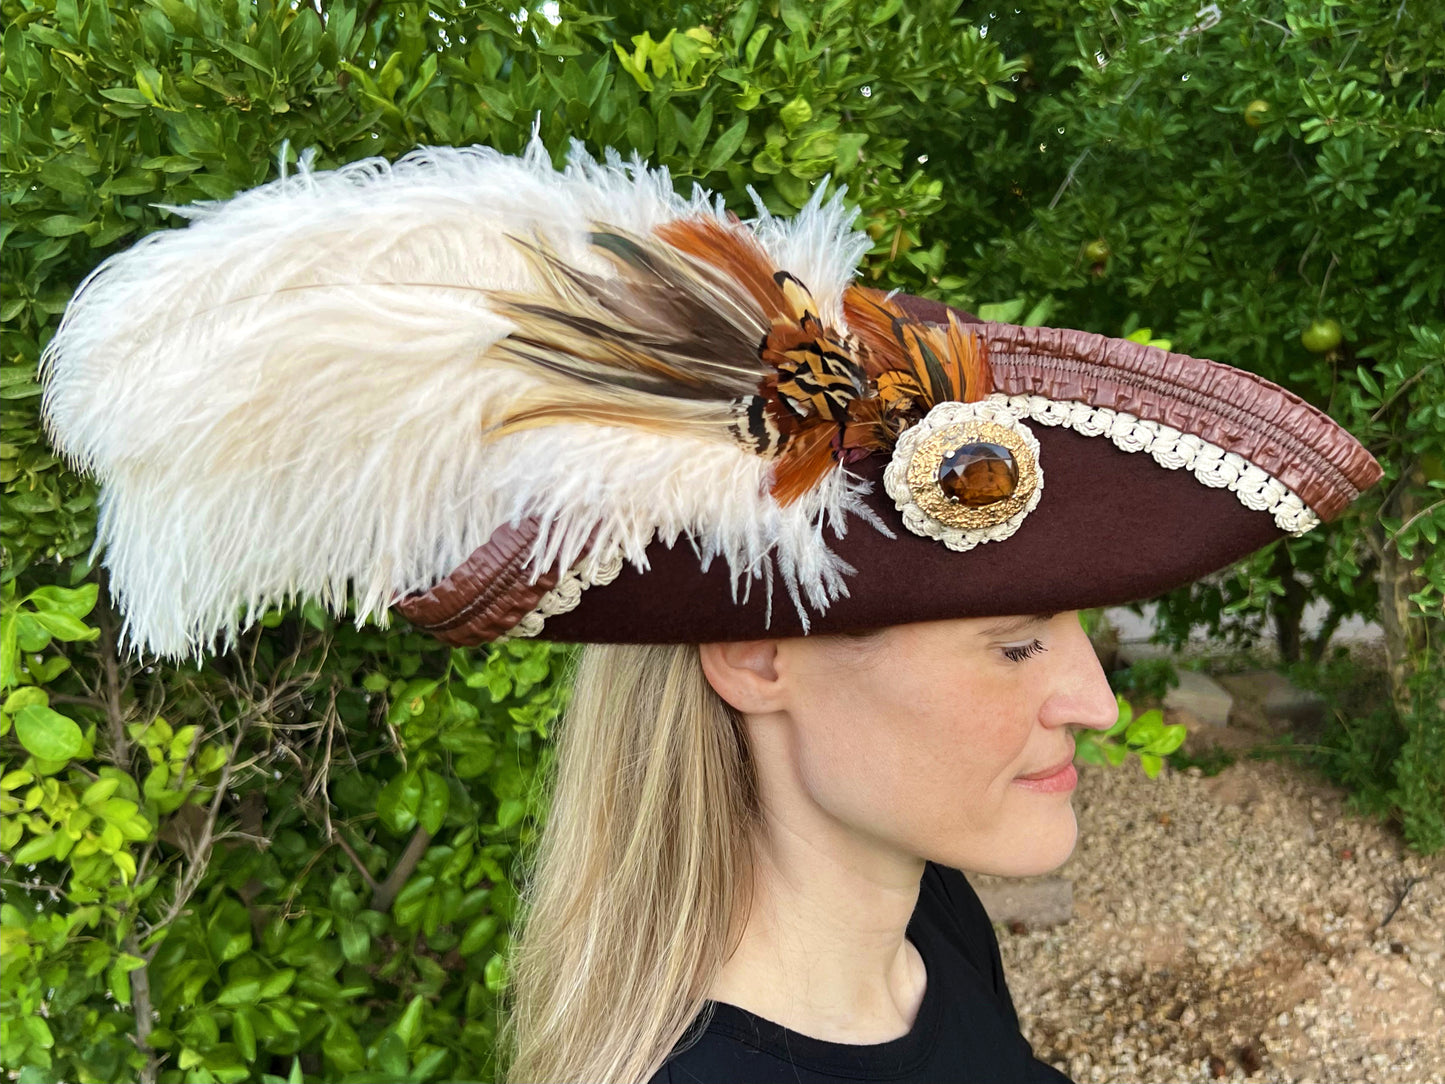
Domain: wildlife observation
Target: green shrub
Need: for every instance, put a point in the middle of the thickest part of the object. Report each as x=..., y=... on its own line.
x=298, y=859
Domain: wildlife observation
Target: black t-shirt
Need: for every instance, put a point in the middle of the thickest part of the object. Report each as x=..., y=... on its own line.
x=966, y=1029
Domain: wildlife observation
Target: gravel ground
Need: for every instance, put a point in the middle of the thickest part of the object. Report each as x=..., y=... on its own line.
x=1234, y=928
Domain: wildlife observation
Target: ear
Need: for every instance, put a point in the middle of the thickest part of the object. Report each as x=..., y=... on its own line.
x=744, y=673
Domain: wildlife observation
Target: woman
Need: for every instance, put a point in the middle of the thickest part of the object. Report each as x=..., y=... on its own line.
x=769, y=808
x=831, y=541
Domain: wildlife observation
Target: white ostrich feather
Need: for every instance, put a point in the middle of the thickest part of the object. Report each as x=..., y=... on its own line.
x=287, y=398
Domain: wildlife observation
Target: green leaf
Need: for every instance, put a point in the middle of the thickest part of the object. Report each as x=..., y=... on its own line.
x=1146, y=729
x=797, y=17
x=389, y=1057
x=510, y=811
x=118, y=982
x=412, y=899
x=884, y=12
x=795, y=113
x=24, y=697
x=399, y=803
x=37, y=849
x=355, y=941
x=435, y=800
x=239, y=992
x=1171, y=740
x=247, y=55
x=99, y=791
x=243, y=1031
x=39, y=1032
x=408, y=1028
x=279, y=982
x=642, y=130
x=495, y=974
x=342, y=1048
x=48, y=734
x=64, y=627
x=1003, y=312
x=1039, y=315
x=479, y=935
x=61, y=225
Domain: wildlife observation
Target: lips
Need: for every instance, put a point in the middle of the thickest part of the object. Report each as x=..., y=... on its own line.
x=1044, y=773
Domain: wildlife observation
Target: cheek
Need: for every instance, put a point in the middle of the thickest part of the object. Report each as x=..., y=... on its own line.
x=966, y=749
x=912, y=758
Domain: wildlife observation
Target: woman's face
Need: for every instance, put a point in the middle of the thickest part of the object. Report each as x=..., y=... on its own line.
x=917, y=735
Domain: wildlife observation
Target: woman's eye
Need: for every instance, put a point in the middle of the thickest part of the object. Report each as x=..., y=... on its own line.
x=1020, y=652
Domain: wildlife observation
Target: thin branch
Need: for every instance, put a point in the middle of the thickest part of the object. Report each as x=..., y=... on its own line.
x=1334, y=259
x=1069, y=176
x=1304, y=259
x=386, y=892
x=1411, y=521
x=371, y=882
x=1404, y=386
x=1401, y=892
x=114, y=706
x=198, y=858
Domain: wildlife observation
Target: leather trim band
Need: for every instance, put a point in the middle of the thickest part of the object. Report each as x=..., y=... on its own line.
x=1240, y=412
x=486, y=596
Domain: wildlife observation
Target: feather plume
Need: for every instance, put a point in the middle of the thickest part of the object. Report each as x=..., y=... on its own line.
x=670, y=343
x=292, y=396
x=910, y=360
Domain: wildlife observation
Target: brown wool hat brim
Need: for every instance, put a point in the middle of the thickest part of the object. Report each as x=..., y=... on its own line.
x=1113, y=526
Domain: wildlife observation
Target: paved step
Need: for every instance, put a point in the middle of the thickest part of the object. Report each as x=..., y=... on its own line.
x=1037, y=902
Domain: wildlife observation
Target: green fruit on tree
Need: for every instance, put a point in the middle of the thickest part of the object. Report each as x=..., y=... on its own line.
x=1097, y=250
x=1256, y=113
x=1321, y=336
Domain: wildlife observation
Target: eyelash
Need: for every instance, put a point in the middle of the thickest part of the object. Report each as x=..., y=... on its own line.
x=1024, y=651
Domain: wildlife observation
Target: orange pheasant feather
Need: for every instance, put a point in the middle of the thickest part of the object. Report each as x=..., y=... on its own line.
x=697, y=332
x=914, y=359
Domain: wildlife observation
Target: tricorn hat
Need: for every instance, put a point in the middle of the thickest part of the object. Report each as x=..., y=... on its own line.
x=505, y=400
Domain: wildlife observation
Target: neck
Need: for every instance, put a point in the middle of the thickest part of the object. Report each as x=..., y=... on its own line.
x=823, y=950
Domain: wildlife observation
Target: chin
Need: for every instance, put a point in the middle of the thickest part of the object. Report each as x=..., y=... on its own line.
x=1039, y=846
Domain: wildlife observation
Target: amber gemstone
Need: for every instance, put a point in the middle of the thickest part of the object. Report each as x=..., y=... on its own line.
x=979, y=473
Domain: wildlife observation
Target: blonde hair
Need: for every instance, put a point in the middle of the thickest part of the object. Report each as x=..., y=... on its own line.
x=641, y=873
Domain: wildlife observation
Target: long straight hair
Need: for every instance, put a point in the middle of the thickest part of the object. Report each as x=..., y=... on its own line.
x=641, y=874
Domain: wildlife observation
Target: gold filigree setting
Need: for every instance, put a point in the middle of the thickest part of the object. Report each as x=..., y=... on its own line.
x=981, y=449
x=932, y=450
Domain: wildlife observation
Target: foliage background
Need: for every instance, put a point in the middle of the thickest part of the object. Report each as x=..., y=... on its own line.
x=298, y=860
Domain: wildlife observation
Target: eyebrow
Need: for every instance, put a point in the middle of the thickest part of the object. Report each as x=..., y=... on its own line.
x=1016, y=625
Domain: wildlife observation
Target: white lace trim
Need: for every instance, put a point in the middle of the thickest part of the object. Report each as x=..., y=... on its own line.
x=1210, y=464
x=565, y=596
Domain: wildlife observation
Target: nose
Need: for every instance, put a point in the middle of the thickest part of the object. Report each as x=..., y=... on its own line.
x=1080, y=695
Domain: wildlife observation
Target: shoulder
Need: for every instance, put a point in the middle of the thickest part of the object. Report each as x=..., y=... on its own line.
x=713, y=1057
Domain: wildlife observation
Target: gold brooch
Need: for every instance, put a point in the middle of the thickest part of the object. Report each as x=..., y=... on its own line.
x=968, y=473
